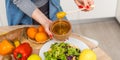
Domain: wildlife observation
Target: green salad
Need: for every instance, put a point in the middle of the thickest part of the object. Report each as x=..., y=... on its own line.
x=62, y=51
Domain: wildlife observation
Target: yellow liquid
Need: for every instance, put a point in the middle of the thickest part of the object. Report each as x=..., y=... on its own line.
x=61, y=27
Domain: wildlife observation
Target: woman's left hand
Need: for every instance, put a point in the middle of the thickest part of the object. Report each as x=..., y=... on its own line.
x=85, y=5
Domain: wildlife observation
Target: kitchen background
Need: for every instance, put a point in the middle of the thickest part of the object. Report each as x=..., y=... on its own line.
x=103, y=9
x=101, y=24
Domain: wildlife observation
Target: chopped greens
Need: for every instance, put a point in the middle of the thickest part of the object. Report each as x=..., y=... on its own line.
x=62, y=51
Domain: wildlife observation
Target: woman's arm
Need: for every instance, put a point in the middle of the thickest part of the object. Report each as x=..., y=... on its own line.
x=29, y=8
x=42, y=19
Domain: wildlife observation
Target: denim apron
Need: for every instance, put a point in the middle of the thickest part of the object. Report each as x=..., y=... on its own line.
x=15, y=16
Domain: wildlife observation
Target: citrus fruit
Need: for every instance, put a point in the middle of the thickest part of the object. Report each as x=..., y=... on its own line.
x=87, y=54
x=31, y=32
x=41, y=37
x=41, y=29
x=34, y=57
x=61, y=14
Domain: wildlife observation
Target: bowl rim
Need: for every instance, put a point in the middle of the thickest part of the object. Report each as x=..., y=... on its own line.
x=34, y=41
x=64, y=21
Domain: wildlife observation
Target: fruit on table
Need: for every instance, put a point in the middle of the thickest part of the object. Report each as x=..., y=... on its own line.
x=16, y=43
x=22, y=52
x=31, y=31
x=41, y=37
x=61, y=14
x=6, y=47
x=41, y=29
x=87, y=54
x=34, y=57
x=37, y=34
x=7, y=57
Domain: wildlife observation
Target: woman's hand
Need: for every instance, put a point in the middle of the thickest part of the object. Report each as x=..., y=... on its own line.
x=85, y=5
x=43, y=20
x=47, y=26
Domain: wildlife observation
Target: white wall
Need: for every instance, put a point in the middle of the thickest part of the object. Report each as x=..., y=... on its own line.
x=118, y=11
x=3, y=19
x=103, y=8
x=0, y=22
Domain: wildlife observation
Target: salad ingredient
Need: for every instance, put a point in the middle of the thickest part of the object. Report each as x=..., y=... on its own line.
x=87, y=54
x=62, y=51
x=22, y=52
x=34, y=57
x=41, y=29
x=69, y=58
x=31, y=32
x=37, y=34
x=7, y=57
x=41, y=37
x=6, y=47
x=16, y=43
x=61, y=15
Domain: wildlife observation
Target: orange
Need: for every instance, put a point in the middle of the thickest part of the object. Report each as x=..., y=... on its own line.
x=41, y=29
x=31, y=32
x=41, y=37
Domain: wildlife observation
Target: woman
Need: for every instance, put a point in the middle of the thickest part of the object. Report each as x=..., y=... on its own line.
x=37, y=11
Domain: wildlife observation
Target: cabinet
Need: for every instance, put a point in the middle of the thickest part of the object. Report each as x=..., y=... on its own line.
x=0, y=22
x=118, y=11
x=103, y=9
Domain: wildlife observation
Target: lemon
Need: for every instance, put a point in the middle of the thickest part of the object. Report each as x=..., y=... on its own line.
x=87, y=54
x=61, y=14
x=34, y=57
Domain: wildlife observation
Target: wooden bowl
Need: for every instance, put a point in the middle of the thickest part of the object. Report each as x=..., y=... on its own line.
x=61, y=29
x=33, y=40
x=36, y=42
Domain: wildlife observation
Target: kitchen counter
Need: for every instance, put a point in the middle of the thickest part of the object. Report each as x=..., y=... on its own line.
x=101, y=55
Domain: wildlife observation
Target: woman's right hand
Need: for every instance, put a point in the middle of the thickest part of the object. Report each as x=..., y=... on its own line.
x=85, y=5
x=43, y=20
x=46, y=26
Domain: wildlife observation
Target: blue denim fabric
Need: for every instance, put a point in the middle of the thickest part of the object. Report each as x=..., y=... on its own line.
x=54, y=8
x=15, y=16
